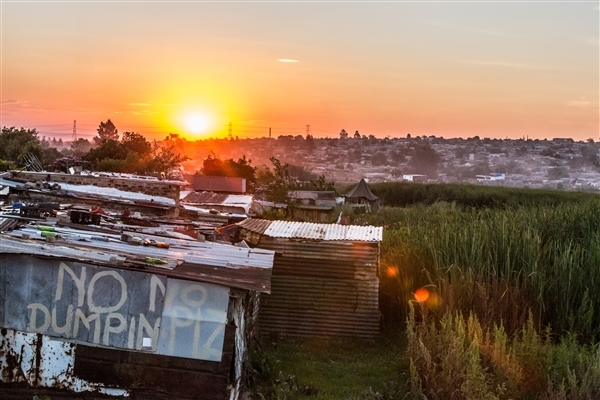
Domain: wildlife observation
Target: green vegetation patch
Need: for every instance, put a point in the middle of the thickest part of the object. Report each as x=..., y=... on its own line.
x=329, y=368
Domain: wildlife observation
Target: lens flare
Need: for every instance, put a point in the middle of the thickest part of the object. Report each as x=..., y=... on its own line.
x=392, y=271
x=421, y=295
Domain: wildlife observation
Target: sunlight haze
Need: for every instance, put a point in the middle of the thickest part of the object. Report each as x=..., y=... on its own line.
x=451, y=69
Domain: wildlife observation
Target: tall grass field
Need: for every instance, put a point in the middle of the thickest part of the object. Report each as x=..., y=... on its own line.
x=495, y=290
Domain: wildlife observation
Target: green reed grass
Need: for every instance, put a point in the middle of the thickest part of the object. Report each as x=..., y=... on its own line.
x=500, y=261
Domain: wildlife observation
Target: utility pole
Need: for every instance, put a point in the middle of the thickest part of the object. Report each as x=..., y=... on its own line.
x=307, y=130
x=74, y=131
x=269, y=132
x=230, y=135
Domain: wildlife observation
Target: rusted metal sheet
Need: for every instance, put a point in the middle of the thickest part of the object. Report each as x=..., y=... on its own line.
x=113, y=307
x=39, y=361
x=222, y=264
x=255, y=225
x=205, y=197
x=322, y=288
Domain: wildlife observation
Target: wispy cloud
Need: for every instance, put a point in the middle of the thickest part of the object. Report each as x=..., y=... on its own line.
x=581, y=103
x=15, y=102
x=140, y=104
x=144, y=112
x=288, y=60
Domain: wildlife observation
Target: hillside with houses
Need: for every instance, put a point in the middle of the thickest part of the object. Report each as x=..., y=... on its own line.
x=557, y=163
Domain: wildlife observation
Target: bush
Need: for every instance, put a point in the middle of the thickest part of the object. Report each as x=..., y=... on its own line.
x=456, y=357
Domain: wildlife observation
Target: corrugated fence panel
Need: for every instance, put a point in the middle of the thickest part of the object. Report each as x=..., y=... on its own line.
x=322, y=288
x=321, y=307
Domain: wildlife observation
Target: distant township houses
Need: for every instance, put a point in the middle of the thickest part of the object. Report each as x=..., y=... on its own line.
x=557, y=163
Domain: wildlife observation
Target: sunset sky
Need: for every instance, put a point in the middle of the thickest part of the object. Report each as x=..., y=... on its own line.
x=451, y=69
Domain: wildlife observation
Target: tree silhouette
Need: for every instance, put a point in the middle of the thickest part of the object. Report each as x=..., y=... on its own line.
x=242, y=168
x=106, y=131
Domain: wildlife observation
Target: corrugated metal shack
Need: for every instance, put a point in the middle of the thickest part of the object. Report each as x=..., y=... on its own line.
x=85, y=312
x=325, y=277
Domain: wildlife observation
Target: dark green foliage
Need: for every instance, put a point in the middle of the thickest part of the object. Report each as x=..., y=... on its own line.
x=15, y=143
x=403, y=194
x=500, y=261
x=281, y=183
x=134, y=142
x=80, y=147
x=321, y=184
x=108, y=149
x=242, y=168
x=133, y=154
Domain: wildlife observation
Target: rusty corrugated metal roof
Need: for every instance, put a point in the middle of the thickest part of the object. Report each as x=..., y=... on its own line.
x=306, y=230
x=255, y=225
x=222, y=264
x=205, y=197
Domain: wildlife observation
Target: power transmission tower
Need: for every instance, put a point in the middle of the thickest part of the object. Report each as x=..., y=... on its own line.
x=74, y=130
x=307, y=130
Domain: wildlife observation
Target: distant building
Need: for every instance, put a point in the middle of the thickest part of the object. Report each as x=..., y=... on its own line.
x=313, y=205
x=491, y=177
x=415, y=178
x=219, y=184
x=361, y=197
x=325, y=277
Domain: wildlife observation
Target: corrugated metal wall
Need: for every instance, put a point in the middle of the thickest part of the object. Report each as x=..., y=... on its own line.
x=322, y=288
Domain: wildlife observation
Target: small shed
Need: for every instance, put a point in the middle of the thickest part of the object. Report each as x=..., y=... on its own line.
x=361, y=195
x=325, y=277
x=108, y=317
x=313, y=205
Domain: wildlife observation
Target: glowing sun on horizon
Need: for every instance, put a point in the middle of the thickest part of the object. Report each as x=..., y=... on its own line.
x=197, y=123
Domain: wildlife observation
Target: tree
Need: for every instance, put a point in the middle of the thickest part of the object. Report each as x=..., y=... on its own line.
x=356, y=135
x=163, y=160
x=134, y=142
x=321, y=184
x=50, y=155
x=80, y=147
x=281, y=184
x=15, y=143
x=108, y=149
x=343, y=134
x=424, y=160
x=241, y=168
x=106, y=131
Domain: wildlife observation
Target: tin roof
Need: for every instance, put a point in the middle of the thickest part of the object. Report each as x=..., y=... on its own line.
x=211, y=198
x=223, y=264
x=361, y=190
x=91, y=191
x=306, y=230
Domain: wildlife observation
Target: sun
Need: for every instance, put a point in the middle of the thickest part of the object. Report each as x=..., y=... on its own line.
x=197, y=123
